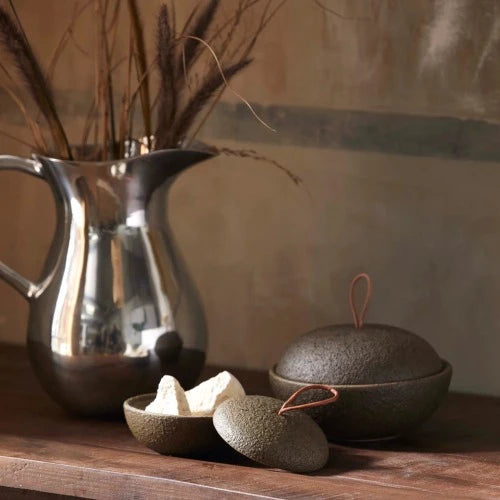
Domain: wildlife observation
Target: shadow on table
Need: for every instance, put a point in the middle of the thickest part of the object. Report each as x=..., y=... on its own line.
x=464, y=424
x=438, y=440
x=339, y=461
x=342, y=460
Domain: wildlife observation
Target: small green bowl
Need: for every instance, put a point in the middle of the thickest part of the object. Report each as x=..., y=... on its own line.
x=374, y=411
x=169, y=434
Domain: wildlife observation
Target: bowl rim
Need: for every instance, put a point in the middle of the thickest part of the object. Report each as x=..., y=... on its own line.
x=128, y=406
x=445, y=370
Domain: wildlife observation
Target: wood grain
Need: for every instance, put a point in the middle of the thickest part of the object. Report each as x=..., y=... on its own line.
x=455, y=455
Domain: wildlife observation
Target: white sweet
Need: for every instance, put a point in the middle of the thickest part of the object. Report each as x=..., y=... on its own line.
x=204, y=398
x=170, y=398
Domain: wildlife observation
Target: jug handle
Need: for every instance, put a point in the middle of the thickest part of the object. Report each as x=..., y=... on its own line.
x=23, y=285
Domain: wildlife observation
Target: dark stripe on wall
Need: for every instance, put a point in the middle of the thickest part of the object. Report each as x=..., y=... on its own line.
x=359, y=131
x=392, y=133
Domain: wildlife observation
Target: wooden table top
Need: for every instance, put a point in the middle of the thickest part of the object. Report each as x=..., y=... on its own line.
x=455, y=455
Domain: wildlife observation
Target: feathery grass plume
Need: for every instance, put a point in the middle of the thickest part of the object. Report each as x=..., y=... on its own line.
x=200, y=27
x=189, y=85
x=207, y=90
x=167, y=100
x=252, y=154
x=14, y=43
x=141, y=65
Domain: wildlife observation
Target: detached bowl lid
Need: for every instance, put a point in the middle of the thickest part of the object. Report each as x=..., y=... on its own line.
x=267, y=431
x=358, y=354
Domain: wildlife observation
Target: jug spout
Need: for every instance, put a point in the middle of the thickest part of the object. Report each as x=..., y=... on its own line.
x=142, y=175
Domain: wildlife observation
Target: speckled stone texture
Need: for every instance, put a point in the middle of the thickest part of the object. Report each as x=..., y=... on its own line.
x=252, y=426
x=344, y=355
x=371, y=412
x=169, y=434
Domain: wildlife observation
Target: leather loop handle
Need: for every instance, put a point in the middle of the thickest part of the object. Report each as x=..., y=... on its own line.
x=359, y=319
x=286, y=407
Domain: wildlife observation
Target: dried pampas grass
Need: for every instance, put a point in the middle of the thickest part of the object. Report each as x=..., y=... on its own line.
x=191, y=66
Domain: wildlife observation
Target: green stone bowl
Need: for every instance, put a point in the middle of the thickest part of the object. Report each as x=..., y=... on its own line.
x=371, y=412
x=169, y=434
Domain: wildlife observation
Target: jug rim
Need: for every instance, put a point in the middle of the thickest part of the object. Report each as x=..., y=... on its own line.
x=200, y=148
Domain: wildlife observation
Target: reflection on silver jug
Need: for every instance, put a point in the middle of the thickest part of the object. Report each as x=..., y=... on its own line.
x=115, y=307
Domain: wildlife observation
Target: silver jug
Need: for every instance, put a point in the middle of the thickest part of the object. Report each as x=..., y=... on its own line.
x=115, y=308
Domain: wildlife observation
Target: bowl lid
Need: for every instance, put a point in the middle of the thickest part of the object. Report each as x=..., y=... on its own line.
x=359, y=353
x=267, y=431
